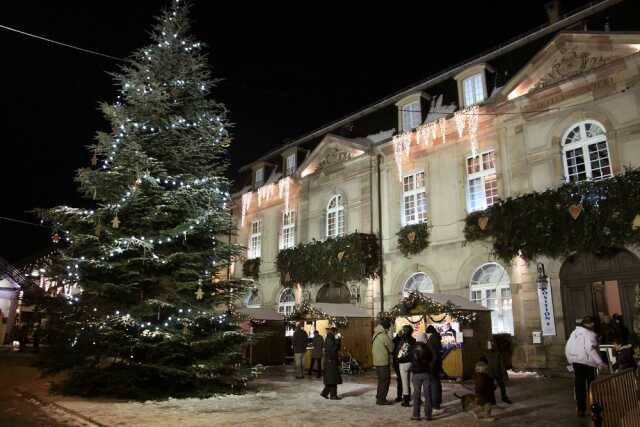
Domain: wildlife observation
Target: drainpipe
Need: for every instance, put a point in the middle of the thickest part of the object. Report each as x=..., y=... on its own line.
x=379, y=159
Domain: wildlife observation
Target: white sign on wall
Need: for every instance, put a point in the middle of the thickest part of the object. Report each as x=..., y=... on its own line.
x=547, y=318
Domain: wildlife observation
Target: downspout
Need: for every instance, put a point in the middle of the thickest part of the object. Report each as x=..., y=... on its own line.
x=379, y=159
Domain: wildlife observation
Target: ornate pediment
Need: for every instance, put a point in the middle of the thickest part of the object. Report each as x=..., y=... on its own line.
x=570, y=64
x=333, y=156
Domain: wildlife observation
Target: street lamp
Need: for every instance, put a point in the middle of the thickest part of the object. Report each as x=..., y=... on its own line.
x=542, y=280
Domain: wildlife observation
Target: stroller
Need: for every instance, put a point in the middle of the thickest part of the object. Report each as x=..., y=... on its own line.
x=350, y=366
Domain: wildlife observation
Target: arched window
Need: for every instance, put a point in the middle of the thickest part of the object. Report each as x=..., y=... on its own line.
x=585, y=152
x=335, y=217
x=490, y=286
x=418, y=282
x=286, y=302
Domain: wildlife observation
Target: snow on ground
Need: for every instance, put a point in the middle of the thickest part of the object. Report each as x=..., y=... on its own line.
x=281, y=401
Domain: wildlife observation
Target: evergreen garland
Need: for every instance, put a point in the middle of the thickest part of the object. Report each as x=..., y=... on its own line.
x=418, y=304
x=413, y=239
x=306, y=311
x=542, y=224
x=344, y=259
x=251, y=268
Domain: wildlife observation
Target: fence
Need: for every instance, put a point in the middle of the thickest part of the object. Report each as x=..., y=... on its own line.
x=616, y=400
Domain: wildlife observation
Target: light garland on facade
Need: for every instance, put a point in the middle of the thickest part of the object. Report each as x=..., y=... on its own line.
x=246, y=205
x=265, y=193
x=284, y=188
x=460, y=119
x=442, y=124
x=473, y=119
x=401, y=149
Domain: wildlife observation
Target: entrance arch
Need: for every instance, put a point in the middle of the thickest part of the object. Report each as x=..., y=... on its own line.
x=334, y=293
x=599, y=286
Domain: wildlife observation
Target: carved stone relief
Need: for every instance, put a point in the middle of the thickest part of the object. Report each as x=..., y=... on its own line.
x=570, y=64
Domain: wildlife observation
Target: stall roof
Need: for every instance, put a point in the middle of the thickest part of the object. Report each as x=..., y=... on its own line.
x=460, y=302
x=342, y=310
x=261, y=313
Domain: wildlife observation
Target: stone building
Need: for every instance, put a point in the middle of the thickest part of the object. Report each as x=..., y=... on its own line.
x=558, y=105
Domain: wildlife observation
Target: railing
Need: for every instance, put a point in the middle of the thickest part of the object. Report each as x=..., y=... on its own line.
x=616, y=400
x=11, y=271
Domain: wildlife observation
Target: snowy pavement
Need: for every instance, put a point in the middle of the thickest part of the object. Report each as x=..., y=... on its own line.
x=278, y=400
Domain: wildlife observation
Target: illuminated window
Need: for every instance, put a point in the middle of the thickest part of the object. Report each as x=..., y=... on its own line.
x=288, y=231
x=586, y=153
x=418, y=282
x=255, y=239
x=414, y=199
x=286, y=302
x=473, y=88
x=291, y=164
x=482, y=185
x=411, y=115
x=259, y=177
x=335, y=217
x=491, y=287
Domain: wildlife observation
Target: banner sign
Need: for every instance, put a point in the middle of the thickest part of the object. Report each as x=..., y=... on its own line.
x=546, y=310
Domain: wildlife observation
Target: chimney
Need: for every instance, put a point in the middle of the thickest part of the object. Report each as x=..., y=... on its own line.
x=553, y=11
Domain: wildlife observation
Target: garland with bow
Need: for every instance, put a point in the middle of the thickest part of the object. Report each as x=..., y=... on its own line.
x=588, y=216
x=419, y=304
x=306, y=311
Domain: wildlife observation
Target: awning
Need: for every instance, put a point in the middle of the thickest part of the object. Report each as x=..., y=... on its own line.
x=341, y=310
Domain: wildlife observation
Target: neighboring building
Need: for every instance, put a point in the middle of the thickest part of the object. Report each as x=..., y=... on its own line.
x=547, y=108
x=11, y=281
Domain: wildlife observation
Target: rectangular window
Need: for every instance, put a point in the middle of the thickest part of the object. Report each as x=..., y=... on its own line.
x=411, y=115
x=259, y=177
x=482, y=184
x=414, y=199
x=255, y=240
x=291, y=164
x=288, y=232
x=473, y=88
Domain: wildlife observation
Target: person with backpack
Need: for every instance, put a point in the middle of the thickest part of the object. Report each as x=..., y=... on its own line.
x=403, y=356
x=434, y=341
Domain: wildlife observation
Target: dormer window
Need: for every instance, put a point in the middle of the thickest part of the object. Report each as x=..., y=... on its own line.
x=259, y=177
x=473, y=88
x=411, y=116
x=291, y=164
x=410, y=111
x=472, y=85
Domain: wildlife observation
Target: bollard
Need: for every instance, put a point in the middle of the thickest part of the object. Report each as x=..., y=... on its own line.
x=596, y=415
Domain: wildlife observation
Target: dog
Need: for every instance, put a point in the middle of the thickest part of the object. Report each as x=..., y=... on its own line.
x=468, y=401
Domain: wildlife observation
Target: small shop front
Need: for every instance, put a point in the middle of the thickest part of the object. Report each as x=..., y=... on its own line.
x=465, y=327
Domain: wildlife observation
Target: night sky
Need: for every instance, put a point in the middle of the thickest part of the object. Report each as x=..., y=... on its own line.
x=287, y=70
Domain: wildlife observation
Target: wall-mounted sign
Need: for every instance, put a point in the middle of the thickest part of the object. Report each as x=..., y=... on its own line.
x=545, y=300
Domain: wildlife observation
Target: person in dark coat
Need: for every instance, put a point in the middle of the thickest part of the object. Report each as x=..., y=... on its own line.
x=421, y=371
x=300, y=341
x=494, y=360
x=434, y=341
x=332, y=375
x=619, y=331
x=397, y=341
x=316, y=353
x=484, y=388
x=403, y=356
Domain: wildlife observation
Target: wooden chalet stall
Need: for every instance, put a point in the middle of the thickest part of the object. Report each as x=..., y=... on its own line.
x=465, y=327
x=353, y=323
x=268, y=326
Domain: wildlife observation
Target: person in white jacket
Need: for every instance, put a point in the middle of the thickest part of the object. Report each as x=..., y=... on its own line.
x=582, y=353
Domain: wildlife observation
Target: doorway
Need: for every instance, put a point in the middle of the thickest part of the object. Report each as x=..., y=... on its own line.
x=600, y=286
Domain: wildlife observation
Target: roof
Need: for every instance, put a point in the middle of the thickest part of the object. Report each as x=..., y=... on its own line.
x=261, y=313
x=565, y=21
x=341, y=310
x=461, y=303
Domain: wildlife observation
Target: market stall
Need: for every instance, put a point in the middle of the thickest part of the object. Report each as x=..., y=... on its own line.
x=465, y=327
x=268, y=327
x=354, y=324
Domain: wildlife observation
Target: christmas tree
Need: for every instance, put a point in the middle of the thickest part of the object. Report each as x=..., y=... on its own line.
x=155, y=315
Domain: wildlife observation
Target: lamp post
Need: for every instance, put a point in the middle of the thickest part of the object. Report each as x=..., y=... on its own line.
x=542, y=280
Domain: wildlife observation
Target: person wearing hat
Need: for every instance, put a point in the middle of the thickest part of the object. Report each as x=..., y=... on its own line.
x=582, y=353
x=381, y=349
x=332, y=375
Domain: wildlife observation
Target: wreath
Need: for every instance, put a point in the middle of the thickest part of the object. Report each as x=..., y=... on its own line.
x=413, y=239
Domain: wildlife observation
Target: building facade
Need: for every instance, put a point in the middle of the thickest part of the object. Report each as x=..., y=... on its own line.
x=450, y=146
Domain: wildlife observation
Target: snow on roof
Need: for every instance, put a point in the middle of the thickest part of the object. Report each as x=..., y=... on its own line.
x=342, y=310
x=261, y=313
x=461, y=303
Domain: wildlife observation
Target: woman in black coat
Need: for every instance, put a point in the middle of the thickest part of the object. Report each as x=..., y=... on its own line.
x=331, y=366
